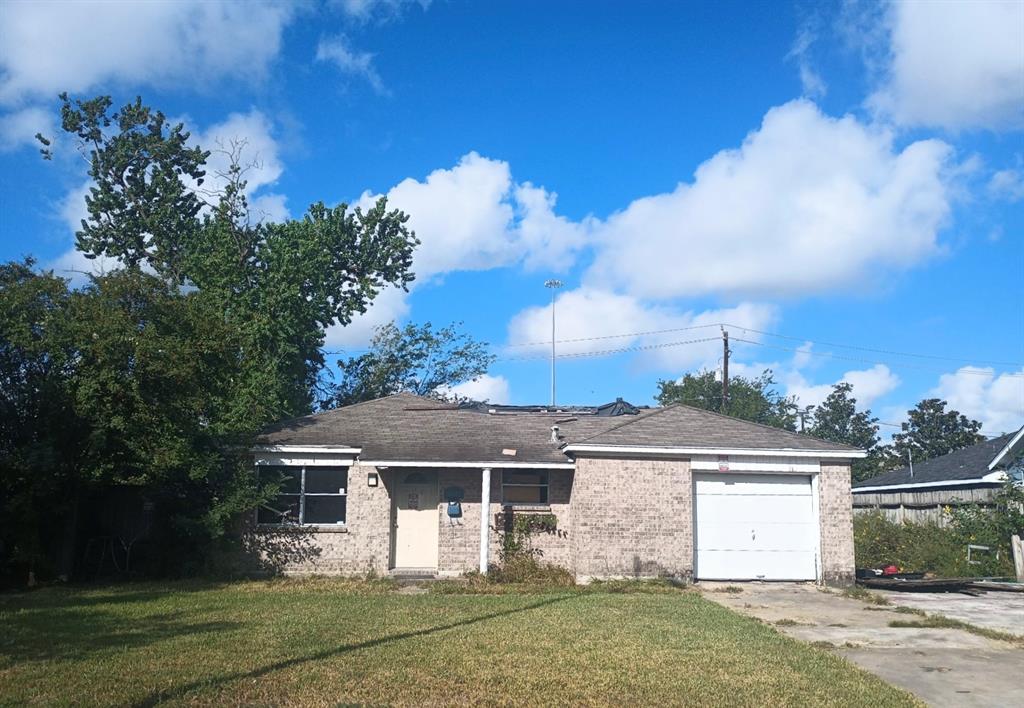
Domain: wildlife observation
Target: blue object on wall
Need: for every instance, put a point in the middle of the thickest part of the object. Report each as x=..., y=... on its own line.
x=455, y=509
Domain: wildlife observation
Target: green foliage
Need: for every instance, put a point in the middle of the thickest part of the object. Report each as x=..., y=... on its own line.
x=141, y=210
x=280, y=285
x=160, y=381
x=37, y=436
x=415, y=359
x=838, y=420
x=929, y=547
x=932, y=431
x=753, y=399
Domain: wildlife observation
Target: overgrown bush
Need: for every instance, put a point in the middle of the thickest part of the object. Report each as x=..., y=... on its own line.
x=527, y=569
x=930, y=548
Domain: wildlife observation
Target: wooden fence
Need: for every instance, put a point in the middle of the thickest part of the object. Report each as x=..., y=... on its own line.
x=923, y=506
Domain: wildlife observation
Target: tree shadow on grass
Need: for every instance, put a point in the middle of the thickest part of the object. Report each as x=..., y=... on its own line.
x=180, y=691
x=60, y=634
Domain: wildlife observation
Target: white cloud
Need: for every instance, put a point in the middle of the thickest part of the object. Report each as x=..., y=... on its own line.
x=954, y=64
x=76, y=46
x=473, y=216
x=810, y=80
x=20, y=127
x=808, y=203
x=351, y=62
x=1007, y=184
x=391, y=304
x=492, y=389
x=383, y=10
x=869, y=385
x=995, y=400
x=594, y=317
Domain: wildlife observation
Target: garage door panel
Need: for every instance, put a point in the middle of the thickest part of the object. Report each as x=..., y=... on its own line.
x=742, y=537
x=754, y=509
x=755, y=527
x=755, y=565
x=745, y=484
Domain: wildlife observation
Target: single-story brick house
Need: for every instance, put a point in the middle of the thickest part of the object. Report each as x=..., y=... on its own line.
x=397, y=485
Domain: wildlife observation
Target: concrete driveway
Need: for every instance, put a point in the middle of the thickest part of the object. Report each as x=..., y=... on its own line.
x=944, y=667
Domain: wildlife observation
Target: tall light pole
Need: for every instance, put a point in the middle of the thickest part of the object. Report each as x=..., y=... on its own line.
x=553, y=285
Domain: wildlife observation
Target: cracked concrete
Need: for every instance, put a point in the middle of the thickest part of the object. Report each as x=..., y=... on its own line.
x=943, y=667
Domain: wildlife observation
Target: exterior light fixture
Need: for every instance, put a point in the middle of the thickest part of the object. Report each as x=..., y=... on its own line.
x=372, y=479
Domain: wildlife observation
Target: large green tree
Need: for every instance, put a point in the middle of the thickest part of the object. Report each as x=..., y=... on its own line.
x=39, y=433
x=837, y=419
x=753, y=399
x=281, y=284
x=157, y=375
x=932, y=431
x=415, y=359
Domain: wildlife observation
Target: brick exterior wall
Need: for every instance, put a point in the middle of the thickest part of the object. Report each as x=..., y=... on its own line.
x=460, y=541
x=835, y=504
x=632, y=518
x=628, y=518
x=364, y=544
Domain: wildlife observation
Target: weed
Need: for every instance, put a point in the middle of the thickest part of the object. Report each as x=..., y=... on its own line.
x=943, y=622
x=865, y=595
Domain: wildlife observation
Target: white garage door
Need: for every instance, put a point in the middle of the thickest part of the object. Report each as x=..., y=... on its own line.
x=755, y=526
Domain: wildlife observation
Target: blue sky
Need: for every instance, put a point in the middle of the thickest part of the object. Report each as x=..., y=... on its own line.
x=844, y=175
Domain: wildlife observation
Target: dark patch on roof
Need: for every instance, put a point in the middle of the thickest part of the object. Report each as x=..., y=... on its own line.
x=405, y=427
x=969, y=463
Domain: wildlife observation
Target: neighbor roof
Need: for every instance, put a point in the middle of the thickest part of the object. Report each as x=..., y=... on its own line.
x=967, y=464
x=410, y=428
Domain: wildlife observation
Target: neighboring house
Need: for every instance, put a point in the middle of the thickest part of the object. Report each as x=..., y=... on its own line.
x=968, y=476
x=397, y=485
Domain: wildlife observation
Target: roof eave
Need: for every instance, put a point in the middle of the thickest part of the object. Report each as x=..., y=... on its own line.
x=1015, y=440
x=991, y=478
x=671, y=450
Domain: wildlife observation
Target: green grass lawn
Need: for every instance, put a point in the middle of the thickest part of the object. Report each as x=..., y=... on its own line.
x=321, y=642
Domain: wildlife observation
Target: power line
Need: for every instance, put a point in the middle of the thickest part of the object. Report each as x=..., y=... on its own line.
x=890, y=352
x=613, y=336
x=605, y=352
x=829, y=355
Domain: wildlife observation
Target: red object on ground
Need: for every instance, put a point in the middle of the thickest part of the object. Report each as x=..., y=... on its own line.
x=890, y=570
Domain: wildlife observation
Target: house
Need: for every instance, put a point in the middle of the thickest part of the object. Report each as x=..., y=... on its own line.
x=921, y=492
x=397, y=485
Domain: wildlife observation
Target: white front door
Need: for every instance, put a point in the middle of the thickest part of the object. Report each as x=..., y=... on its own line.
x=416, y=520
x=755, y=527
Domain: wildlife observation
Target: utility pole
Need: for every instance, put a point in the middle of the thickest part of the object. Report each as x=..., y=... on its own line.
x=553, y=285
x=725, y=370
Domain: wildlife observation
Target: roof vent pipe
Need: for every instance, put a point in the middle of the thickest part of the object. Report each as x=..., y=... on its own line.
x=554, y=434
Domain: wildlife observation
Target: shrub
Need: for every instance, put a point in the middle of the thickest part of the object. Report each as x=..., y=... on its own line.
x=527, y=569
x=930, y=548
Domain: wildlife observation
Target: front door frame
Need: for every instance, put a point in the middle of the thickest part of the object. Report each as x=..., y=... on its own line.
x=400, y=477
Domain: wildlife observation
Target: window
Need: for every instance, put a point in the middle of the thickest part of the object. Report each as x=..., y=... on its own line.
x=308, y=495
x=524, y=487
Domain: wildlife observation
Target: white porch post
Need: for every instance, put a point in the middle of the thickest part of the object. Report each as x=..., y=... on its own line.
x=485, y=513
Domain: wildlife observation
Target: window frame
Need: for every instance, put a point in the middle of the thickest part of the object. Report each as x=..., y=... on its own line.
x=302, y=494
x=545, y=485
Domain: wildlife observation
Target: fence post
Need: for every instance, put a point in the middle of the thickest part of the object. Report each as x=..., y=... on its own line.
x=1018, y=556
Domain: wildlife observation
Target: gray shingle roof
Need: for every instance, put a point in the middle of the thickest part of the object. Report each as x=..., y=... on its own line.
x=969, y=463
x=686, y=426
x=405, y=427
